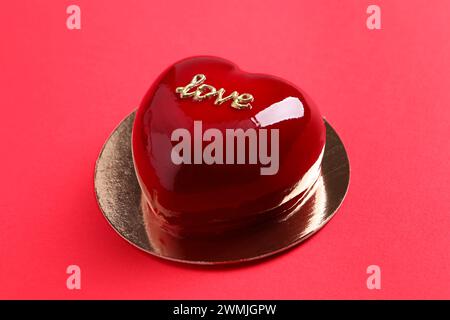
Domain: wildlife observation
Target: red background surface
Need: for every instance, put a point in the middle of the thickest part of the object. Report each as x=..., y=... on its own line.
x=385, y=91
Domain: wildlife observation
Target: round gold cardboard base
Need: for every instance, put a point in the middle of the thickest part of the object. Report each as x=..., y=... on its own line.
x=119, y=198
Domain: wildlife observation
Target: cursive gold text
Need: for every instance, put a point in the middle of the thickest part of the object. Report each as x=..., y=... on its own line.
x=198, y=91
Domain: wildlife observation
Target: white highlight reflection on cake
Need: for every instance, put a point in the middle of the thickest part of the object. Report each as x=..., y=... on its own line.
x=288, y=108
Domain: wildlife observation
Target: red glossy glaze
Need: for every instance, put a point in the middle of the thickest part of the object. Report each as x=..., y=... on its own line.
x=202, y=198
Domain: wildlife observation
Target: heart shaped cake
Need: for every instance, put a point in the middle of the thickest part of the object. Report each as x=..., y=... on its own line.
x=217, y=149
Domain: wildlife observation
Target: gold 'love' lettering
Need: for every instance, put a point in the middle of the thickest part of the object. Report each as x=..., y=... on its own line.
x=198, y=91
